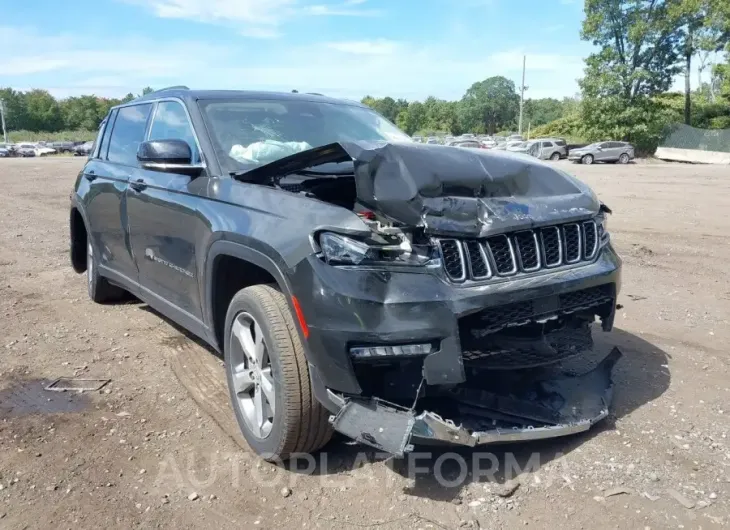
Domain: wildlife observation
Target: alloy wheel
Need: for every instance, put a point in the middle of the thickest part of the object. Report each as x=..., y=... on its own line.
x=253, y=378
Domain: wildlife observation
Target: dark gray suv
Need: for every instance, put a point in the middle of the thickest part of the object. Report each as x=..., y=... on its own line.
x=353, y=279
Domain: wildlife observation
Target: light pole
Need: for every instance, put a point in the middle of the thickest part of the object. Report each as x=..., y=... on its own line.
x=522, y=92
x=2, y=119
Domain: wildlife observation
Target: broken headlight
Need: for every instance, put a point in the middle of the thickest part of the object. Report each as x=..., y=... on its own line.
x=342, y=250
x=603, y=235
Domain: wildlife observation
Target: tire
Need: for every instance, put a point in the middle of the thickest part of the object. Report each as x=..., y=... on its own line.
x=623, y=159
x=555, y=156
x=297, y=422
x=587, y=159
x=100, y=290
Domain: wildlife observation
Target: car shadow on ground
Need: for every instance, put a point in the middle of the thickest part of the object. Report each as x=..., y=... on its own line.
x=440, y=473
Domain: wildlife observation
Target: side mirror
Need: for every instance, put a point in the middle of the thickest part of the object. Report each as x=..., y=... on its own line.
x=168, y=156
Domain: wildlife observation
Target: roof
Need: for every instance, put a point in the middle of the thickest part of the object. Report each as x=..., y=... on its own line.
x=194, y=95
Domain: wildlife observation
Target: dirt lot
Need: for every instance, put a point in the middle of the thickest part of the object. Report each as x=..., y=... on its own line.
x=157, y=447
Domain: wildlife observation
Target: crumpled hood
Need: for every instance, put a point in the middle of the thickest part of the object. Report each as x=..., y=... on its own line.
x=450, y=190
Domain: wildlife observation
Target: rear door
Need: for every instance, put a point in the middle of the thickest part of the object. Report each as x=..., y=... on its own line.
x=108, y=174
x=546, y=149
x=604, y=152
x=164, y=225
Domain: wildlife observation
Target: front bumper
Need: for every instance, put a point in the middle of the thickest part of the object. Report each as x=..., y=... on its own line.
x=583, y=399
x=354, y=307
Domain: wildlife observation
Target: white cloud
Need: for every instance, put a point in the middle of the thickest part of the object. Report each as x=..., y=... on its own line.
x=82, y=64
x=259, y=18
x=364, y=47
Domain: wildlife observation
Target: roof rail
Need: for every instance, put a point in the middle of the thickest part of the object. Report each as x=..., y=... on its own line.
x=315, y=94
x=175, y=87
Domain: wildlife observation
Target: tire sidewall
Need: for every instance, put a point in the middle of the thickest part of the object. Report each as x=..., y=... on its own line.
x=555, y=156
x=271, y=445
x=623, y=159
x=588, y=160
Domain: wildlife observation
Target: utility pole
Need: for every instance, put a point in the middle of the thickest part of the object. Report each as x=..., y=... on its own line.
x=2, y=119
x=522, y=92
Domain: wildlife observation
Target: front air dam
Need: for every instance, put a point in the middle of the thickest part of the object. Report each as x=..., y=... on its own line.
x=548, y=406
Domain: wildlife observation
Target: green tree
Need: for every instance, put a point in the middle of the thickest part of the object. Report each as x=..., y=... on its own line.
x=489, y=105
x=16, y=111
x=541, y=111
x=43, y=112
x=413, y=118
x=638, y=48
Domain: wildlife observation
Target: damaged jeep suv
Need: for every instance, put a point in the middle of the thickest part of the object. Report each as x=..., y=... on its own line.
x=354, y=280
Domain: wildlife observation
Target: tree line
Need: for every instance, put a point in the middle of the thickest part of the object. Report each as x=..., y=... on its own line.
x=37, y=111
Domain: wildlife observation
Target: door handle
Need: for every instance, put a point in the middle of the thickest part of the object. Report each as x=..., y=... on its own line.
x=90, y=175
x=138, y=185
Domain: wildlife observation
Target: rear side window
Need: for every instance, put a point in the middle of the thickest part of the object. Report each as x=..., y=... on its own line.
x=547, y=144
x=128, y=132
x=107, y=126
x=560, y=143
x=171, y=122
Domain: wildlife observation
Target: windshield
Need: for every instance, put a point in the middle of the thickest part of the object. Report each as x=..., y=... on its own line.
x=250, y=133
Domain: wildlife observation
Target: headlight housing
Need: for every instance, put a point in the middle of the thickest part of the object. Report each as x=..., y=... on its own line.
x=603, y=236
x=338, y=249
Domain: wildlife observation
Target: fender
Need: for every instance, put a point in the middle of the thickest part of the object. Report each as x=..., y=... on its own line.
x=237, y=250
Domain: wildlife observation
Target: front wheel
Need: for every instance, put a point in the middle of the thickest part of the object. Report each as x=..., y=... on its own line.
x=623, y=159
x=268, y=377
x=587, y=159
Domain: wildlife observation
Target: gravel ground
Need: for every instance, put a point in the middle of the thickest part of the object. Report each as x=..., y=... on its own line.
x=142, y=453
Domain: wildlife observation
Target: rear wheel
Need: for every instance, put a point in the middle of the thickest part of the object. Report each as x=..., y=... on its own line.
x=555, y=156
x=623, y=159
x=100, y=290
x=268, y=377
x=587, y=159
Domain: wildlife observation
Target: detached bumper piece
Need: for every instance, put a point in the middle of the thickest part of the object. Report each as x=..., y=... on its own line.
x=539, y=404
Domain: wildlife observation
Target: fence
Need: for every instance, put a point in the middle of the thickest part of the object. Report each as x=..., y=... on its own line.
x=688, y=144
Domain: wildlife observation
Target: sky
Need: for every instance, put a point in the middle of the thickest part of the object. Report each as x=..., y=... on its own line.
x=343, y=48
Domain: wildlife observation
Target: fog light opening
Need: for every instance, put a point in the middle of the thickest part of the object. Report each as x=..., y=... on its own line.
x=399, y=350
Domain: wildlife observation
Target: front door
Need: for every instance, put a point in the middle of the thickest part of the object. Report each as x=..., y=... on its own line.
x=163, y=222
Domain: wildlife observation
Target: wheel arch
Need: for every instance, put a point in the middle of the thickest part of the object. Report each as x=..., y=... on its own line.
x=252, y=267
x=78, y=234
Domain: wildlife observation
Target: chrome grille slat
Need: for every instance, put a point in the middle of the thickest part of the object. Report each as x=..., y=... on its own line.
x=528, y=250
x=476, y=257
x=572, y=242
x=590, y=239
x=552, y=246
x=524, y=251
x=452, y=254
x=503, y=255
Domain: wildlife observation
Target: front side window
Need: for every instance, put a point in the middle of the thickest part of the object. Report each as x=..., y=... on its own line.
x=250, y=133
x=128, y=132
x=171, y=122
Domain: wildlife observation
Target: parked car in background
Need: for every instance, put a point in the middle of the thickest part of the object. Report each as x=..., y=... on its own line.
x=26, y=150
x=62, y=146
x=8, y=148
x=515, y=137
x=84, y=149
x=552, y=149
x=44, y=150
x=432, y=140
x=474, y=144
x=621, y=152
x=4, y=153
x=418, y=139
x=531, y=148
x=505, y=146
